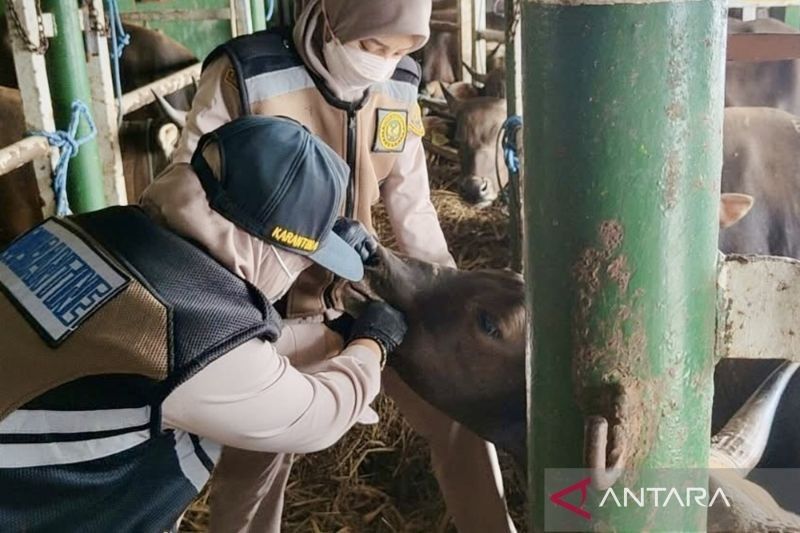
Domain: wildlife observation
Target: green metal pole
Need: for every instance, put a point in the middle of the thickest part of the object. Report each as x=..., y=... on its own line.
x=623, y=118
x=514, y=107
x=259, y=15
x=69, y=81
x=792, y=16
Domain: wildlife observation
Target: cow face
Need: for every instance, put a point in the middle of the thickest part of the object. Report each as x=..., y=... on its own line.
x=465, y=351
x=478, y=123
x=465, y=348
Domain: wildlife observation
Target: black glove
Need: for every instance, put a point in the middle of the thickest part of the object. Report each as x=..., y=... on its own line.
x=356, y=235
x=342, y=325
x=382, y=323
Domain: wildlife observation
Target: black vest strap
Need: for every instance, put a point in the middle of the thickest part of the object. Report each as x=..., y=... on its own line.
x=257, y=53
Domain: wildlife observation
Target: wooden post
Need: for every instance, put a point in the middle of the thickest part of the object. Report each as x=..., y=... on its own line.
x=104, y=104
x=32, y=75
x=478, y=36
x=241, y=21
x=464, y=38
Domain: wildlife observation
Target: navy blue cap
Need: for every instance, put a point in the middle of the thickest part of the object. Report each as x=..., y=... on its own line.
x=281, y=183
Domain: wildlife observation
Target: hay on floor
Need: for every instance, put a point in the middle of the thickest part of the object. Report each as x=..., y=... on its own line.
x=378, y=479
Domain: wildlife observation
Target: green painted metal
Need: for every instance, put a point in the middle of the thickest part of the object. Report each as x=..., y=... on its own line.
x=792, y=16
x=69, y=81
x=200, y=36
x=259, y=13
x=623, y=119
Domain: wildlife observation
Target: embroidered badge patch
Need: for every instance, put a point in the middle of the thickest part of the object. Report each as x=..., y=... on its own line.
x=57, y=280
x=230, y=78
x=415, y=124
x=390, y=135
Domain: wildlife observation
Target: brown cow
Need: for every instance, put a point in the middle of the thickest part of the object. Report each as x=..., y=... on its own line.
x=151, y=55
x=20, y=207
x=440, y=55
x=770, y=84
x=478, y=122
x=465, y=354
x=760, y=158
x=145, y=145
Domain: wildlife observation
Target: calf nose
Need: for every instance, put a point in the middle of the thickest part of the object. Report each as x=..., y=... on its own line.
x=478, y=190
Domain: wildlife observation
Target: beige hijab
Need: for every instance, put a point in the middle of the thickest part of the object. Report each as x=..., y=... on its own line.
x=178, y=201
x=353, y=20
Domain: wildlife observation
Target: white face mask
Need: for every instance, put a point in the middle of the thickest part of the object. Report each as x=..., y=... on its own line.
x=282, y=273
x=354, y=69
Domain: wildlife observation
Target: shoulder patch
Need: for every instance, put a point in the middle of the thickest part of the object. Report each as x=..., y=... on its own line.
x=231, y=78
x=391, y=130
x=415, y=124
x=57, y=280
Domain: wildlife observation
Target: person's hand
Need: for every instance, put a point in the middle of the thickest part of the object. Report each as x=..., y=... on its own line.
x=342, y=325
x=356, y=235
x=383, y=324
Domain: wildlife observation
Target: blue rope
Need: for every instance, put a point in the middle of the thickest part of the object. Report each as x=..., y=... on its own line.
x=119, y=40
x=270, y=9
x=68, y=145
x=510, y=149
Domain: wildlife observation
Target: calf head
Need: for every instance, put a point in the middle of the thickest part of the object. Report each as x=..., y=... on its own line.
x=478, y=123
x=146, y=147
x=465, y=347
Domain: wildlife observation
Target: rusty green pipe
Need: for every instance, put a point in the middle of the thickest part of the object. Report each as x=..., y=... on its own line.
x=69, y=81
x=623, y=120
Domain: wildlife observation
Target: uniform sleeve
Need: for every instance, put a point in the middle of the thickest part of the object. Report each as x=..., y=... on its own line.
x=215, y=103
x=253, y=398
x=406, y=194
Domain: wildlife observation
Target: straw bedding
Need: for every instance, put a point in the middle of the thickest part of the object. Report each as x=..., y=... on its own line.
x=378, y=479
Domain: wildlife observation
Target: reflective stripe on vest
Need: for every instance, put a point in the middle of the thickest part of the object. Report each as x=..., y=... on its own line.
x=44, y=421
x=60, y=453
x=197, y=457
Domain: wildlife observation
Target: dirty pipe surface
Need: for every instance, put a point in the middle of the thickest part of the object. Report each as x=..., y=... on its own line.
x=623, y=120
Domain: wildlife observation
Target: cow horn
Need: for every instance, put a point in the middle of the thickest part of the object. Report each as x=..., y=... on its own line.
x=477, y=76
x=742, y=441
x=175, y=115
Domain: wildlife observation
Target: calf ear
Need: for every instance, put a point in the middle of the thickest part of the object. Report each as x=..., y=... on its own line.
x=168, y=137
x=733, y=207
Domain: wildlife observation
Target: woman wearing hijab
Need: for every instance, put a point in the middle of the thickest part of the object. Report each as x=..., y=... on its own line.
x=137, y=342
x=345, y=74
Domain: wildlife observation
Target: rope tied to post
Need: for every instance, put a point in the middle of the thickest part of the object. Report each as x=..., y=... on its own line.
x=510, y=148
x=68, y=144
x=507, y=142
x=119, y=39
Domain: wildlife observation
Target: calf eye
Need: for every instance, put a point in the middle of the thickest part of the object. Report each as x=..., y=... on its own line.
x=488, y=325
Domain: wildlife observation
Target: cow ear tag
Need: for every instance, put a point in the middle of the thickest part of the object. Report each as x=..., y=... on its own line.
x=391, y=131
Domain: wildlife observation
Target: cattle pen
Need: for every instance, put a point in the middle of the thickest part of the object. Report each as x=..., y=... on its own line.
x=612, y=150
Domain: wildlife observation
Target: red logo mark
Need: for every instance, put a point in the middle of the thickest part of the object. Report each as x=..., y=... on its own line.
x=581, y=485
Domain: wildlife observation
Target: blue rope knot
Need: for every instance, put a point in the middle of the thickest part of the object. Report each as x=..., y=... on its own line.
x=68, y=144
x=119, y=39
x=510, y=150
